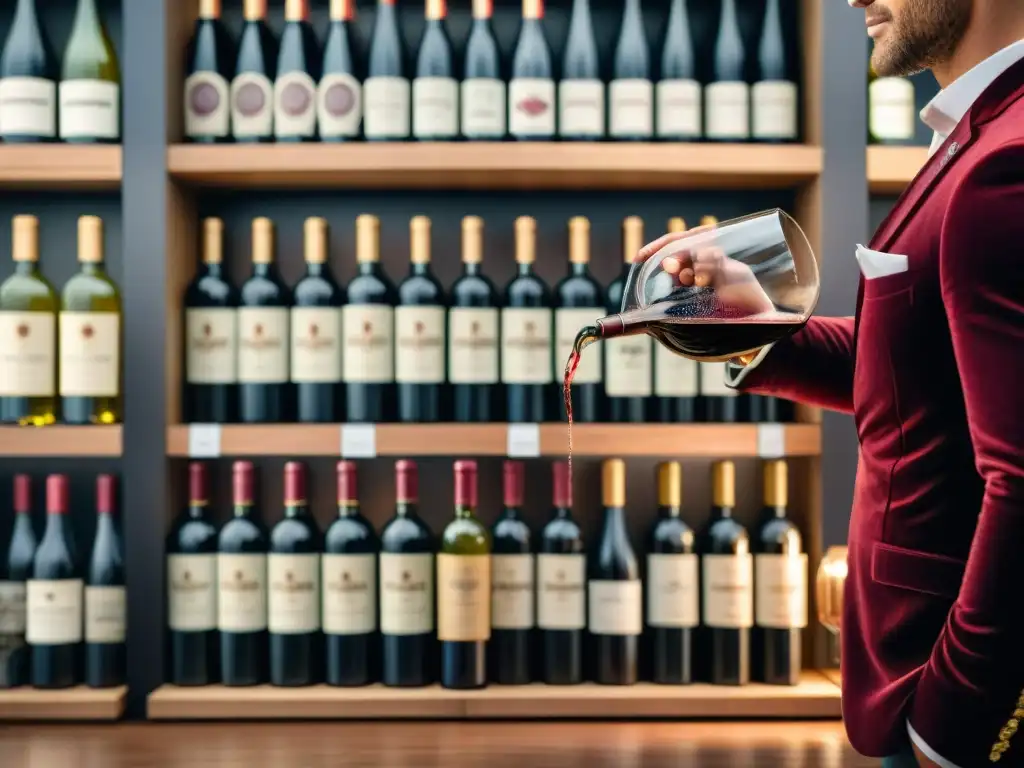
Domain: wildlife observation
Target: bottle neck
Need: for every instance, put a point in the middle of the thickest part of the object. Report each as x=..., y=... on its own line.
x=55, y=525
x=295, y=510
x=86, y=13
x=728, y=12
x=26, y=268
x=104, y=526
x=669, y=510
x=581, y=9
x=242, y=510
x=263, y=269
x=405, y=509
x=92, y=268
x=348, y=509
x=196, y=511
x=26, y=11
x=482, y=23
x=525, y=269
x=22, y=523
x=471, y=268
x=510, y=513
x=722, y=512
x=579, y=269
x=214, y=269
x=314, y=269
x=463, y=512
x=367, y=267
x=775, y=511
x=420, y=268
x=562, y=513
x=614, y=521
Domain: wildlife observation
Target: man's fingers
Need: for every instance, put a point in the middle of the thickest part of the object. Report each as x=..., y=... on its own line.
x=653, y=247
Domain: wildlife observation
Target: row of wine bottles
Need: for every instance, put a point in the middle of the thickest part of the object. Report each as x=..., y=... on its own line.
x=62, y=621
x=296, y=90
x=481, y=604
x=371, y=352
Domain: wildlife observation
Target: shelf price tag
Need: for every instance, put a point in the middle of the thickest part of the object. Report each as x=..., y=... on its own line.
x=523, y=441
x=771, y=441
x=358, y=441
x=204, y=441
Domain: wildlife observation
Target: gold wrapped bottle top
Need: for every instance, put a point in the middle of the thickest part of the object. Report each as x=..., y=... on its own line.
x=90, y=239
x=776, y=483
x=632, y=237
x=709, y=221
x=613, y=483
x=315, y=240
x=213, y=240
x=472, y=240
x=670, y=484
x=262, y=240
x=436, y=9
x=723, y=484
x=296, y=10
x=25, y=238
x=579, y=240
x=255, y=10
x=343, y=10
x=419, y=240
x=209, y=9
x=526, y=240
x=367, y=238
x=677, y=224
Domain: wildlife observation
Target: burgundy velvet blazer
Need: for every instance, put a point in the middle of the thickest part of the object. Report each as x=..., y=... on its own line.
x=932, y=369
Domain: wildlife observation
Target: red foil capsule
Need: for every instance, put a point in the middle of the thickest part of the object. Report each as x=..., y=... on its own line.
x=22, y=494
x=513, y=483
x=242, y=483
x=57, y=495
x=562, y=487
x=294, y=484
x=106, y=493
x=465, y=484
x=406, y=481
x=198, y=494
x=348, y=490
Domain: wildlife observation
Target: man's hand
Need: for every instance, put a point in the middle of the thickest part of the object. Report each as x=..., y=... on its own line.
x=923, y=760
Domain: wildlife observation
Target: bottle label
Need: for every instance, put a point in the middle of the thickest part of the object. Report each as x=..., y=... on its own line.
x=674, y=375
x=728, y=591
x=463, y=598
x=339, y=105
x=241, y=592
x=526, y=346
x=775, y=104
x=780, y=584
x=12, y=607
x=262, y=345
x=106, y=614
x=252, y=106
x=192, y=593
x=631, y=110
x=295, y=105
x=568, y=323
x=369, y=348
x=207, y=110
x=419, y=345
x=28, y=107
x=28, y=354
x=616, y=607
x=728, y=110
x=435, y=107
x=406, y=593
x=891, y=109
x=581, y=108
x=211, y=355
x=483, y=108
x=387, y=108
x=531, y=106
x=349, y=594
x=54, y=611
x=473, y=345
x=628, y=366
x=672, y=590
x=561, y=592
x=512, y=591
x=294, y=593
x=89, y=109
x=90, y=348
x=316, y=344
x=678, y=109
x=712, y=381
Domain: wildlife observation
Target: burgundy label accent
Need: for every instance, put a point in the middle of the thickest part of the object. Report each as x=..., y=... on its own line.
x=513, y=483
x=294, y=483
x=406, y=481
x=533, y=106
x=250, y=100
x=241, y=482
x=296, y=99
x=197, y=482
x=339, y=100
x=562, y=495
x=56, y=494
x=105, y=494
x=465, y=483
x=348, y=490
x=22, y=494
x=203, y=99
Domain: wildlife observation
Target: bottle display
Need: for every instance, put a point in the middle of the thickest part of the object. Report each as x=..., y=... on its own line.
x=90, y=85
x=209, y=67
x=106, y=604
x=28, y=79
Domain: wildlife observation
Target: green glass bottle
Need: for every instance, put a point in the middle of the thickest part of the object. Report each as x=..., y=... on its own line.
x=90, y=88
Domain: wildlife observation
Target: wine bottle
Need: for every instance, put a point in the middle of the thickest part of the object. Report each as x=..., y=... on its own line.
x=242, y=587
x=349, y=584
x=628, y=362
x=368, y=322
x=891, y=113
x=512, y=588
x=677, y=96
x=28, y=80
x=209, y=66
x=482, y=98
x=386, y=89
x=298, y=71
x=676, y=378
x=473, y=333
x=407, y=588
x=263, y=390
x=464, y=588
x=28, y=334
x=316, y=332
x=561, y=588
x=727, y=575
x=531, y=91
x=211, y=336
x=54, y=602
x=90, y=335
x=435, y=92
x=727, y=96
x=192, y=588
x=339, y=94
x=581, y=90
x=293, y=581
x=631, y=93
x=252, y=89
x=579, y=303
x=90, y=87
x=673, y=593
x=15, y=571
x=526, y=333
x=106, y=605
x=774, y=100
x=780, y=584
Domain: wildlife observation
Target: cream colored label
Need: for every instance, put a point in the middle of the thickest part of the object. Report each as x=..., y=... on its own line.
x=207, y=105
x=675, y=375
x=89, y=109
x=90, y=354
x=263, y=345
x=712, y=381
x=891, y=108
x=316, y=344
x=252, y=106
x=435, y=107
x=780, y=591
x=526, y=346
x=512, y=591
x=419, y=345
x=28, y=107
x=678, y=109
x=472, y=345
x=483, y=108
x=775, y=104
x=28, y=354
x=294, y=593
x=463, y=598
x=406, y=593
x=561, y=591
x=295, y=106
x=54, y=612
x=628, y=366
x=672, y=590
x=12, y=607
x=192, y=593
x=339, y=105
x=631, y=108
x=531, y=106
x=728, y=110
x=211, y=346
x=568, y=323
x=349, y=593
x=581, y=108
x=387, y=108
x=368, y=354
x=106, y=614
x=241, y=593
x=616, y=607
x=728, y=591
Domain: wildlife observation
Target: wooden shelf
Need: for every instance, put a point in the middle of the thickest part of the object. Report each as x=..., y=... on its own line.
x=60, y=166
x=506, y=165
x=891, y=169
x=79, y=703
x=60, y=440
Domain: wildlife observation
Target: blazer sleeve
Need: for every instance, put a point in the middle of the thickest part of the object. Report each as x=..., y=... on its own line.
x=966, y=701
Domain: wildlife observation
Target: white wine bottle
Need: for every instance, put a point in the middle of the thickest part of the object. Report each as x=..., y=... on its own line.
x=90, y=88
x=28, y=74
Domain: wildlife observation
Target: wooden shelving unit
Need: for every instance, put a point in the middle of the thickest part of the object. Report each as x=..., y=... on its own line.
x=60, y=167
x=61, y=441
x=79, y=703
x=891, y=169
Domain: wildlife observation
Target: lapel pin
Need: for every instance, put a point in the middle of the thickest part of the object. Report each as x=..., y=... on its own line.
x=949, y=154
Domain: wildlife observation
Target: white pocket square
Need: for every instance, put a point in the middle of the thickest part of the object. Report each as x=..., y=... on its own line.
x=875, y=264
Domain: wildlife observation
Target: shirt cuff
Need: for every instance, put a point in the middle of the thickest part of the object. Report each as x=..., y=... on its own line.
x=735, y=374
x=930, y=753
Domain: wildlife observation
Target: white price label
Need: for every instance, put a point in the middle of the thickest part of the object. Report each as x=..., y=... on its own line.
x=358, y=441
x=204, y=441
x=523, y=441
x=771, y=441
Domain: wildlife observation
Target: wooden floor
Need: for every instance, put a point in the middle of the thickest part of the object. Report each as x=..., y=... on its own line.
x=431, y=745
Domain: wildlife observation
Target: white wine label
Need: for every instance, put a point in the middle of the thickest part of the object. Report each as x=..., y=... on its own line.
x=673, y=596
x=419, y=345
x=472, y=345
x=678, y=109
x=211, y=346
x=295, y=107
x=90, y=354
x=675, y=375
x=531, y=107
x=775, y=104
x=28, y=107
x=526, y=346
x=12, y=607
x=28, y=354
x=891, y=109
x=241, y=592
x=712, y=381
x=387, y=108
x=463, y=598
x=252, y=106
x=728, y=591
x=192, y=593
x=631, y=108
x=568, y=323
x=293, y=606
x=628, y=366
x=406, y=593
x=512, y=591
x=349, y=585
x=616, y=607
x=483, y=108
x=368, y=353
x=561, y=591
x=106, y=614
x=316, y=344
x=54, y=611
x=262, y=345
x=780, y=591
x=727, y=110
x=339, y=101
x=207, y=105
x=90, y=109
x=435, y=107
x=581, y=108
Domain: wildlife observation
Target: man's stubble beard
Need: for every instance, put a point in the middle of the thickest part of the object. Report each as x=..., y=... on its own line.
x=926, y=33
